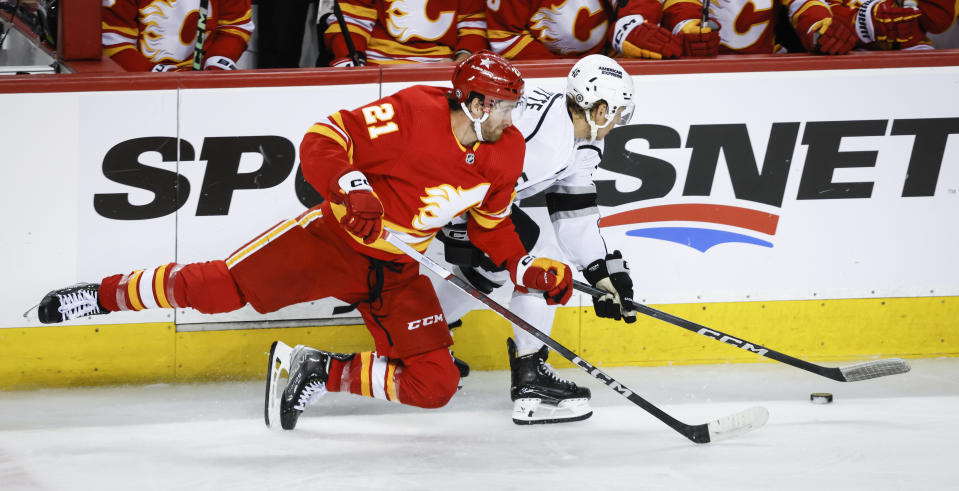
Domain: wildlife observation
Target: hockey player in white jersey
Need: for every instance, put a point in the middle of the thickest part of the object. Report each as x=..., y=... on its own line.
x=564, y=143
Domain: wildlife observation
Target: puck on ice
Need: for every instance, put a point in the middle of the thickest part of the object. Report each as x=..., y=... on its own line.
x=820, y=397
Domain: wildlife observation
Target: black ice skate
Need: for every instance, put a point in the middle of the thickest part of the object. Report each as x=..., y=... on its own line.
x=308, y=370
x=539, y=395
x=70, y=303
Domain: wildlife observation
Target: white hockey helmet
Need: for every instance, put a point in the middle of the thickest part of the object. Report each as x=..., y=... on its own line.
x=597, y=78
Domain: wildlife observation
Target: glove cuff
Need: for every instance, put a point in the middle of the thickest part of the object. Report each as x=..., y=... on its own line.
x=353, y=180
x=221, y=62
x=623, y=28
x=679, y=27
x=865, y=28
x=519, y=269
x=596, y=271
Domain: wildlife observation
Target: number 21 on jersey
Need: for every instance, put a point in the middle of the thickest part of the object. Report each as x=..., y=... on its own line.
x=379, y=114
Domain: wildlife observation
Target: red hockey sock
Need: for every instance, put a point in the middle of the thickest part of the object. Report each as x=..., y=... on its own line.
x=426, y=380
x=207, y=287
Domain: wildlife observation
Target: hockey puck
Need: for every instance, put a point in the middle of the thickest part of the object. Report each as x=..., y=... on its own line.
x=820, y=397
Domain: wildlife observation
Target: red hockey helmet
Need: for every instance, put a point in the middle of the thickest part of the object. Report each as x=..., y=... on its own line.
x=489, y=74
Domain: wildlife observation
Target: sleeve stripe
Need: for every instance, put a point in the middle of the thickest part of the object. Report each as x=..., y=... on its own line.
x=518, y=47
x=796, y=8
x=471, y=32
x=114, y=50
x=483, y=221
x=324, y=130
x=356, y=11
x=130, y=31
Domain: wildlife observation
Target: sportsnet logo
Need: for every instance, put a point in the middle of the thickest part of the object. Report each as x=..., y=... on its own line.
x=751, y=222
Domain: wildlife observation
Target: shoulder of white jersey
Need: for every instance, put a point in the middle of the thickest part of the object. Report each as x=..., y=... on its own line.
x=542, y=114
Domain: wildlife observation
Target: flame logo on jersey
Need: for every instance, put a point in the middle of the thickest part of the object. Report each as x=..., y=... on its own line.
x=742, y=23
x=161, y=24
x=445, y=202
x=556, y=23
x=408, y=18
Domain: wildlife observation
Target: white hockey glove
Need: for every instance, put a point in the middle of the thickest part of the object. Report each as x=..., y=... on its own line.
x=612, y=275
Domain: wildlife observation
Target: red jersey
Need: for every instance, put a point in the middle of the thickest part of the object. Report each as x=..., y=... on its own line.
x=409, y=31
x=747, y=26
x=937, y=16
x=404, y=144
x=548, y=28
x=139, y=34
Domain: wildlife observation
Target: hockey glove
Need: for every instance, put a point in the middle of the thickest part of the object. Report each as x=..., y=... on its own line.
x=698, y=40
x=552, y=277
x=364, y=212
x=612, y=275
x=636, y=38
x=830, y=38
x=885, y=21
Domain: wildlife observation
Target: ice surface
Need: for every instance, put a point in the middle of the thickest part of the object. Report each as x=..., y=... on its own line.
x=890, y=433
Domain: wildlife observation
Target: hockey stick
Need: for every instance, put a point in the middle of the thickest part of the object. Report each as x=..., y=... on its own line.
x=200, y=34
x=727, y=427
x=354, y=55
x=855, y=373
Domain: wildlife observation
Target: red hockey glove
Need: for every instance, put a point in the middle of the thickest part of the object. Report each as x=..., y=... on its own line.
x=364, y=212
x=636, y=38
x=554, y=278
x=830, y=38
x=698, y=40
x=885, y=21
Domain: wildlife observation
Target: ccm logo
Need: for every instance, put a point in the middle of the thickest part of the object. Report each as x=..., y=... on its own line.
x=433, y=319
x=733, y=341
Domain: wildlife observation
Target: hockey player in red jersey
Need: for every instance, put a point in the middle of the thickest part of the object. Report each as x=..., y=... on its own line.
x=159, y=35
x=653, y=30
x=387, y=32
x=564, y=135
x=895, y=24
x=543, y=29
x=409, y=162
x=747, y=26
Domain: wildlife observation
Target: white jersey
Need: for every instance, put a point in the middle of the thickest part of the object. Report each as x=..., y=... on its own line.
x=562, y=167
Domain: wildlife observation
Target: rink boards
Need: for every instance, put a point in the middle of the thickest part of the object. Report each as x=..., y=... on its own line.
x=750, y=198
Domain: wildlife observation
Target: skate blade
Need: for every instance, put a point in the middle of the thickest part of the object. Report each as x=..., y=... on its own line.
x=278, y=363
x=535, y=412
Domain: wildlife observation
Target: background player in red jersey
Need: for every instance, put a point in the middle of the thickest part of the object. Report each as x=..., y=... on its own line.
x=654, y=30
x=387, y=32
x=409, y=162
x=895, y=24
x=159, y=35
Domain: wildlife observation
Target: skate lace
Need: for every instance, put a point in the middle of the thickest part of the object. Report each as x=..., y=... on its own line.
x=548, y=370
x=78, y=304
x=311, y=393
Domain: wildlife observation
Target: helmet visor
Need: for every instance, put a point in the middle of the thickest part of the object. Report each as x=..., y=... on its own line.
x=500, y=108
x=626, y=113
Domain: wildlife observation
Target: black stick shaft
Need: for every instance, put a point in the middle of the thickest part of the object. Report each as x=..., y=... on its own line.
x=830, y=372
x=696, y=433
x=345, y=31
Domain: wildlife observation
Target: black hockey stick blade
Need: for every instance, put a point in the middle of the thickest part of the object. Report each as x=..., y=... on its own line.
x=862, y=371
x=730, y=426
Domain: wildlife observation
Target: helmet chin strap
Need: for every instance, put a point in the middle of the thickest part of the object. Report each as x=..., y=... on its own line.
x=477, y=123
x=593, y=127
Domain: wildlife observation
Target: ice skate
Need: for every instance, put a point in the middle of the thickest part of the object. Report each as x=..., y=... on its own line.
x=308, y=371
x=72, y=302
x=539, y=395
